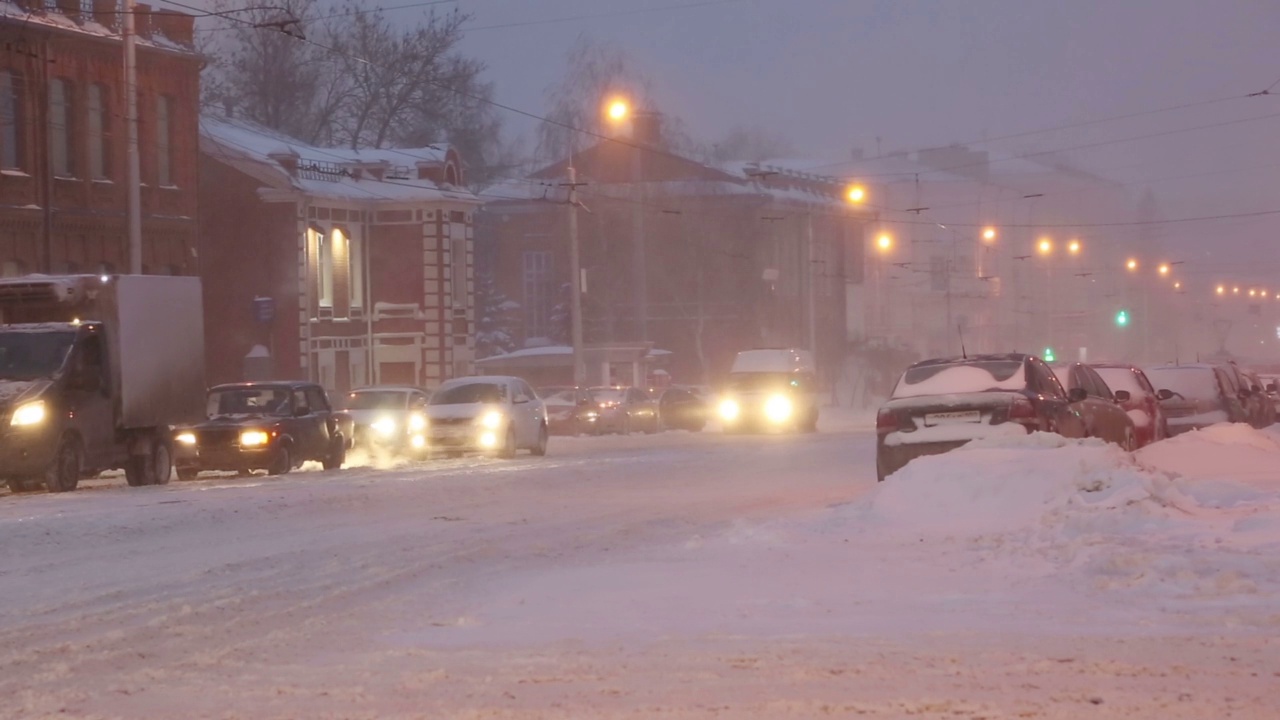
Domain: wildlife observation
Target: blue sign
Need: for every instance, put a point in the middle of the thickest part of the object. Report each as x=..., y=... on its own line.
x=264, y=309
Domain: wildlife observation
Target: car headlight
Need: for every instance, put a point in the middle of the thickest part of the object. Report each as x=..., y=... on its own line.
x=488, y=440
x=254, y=438
x=32, y=413
x=730, y=410
x=491, y=420
x=385, y=427
x=778, y=409
x=185, y=438
x=417, y=422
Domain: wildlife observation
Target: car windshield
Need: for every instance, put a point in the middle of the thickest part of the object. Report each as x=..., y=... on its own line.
x=970, y=377
x=249, y=401
x=1193, y=383
x=746, y=382
x=376, y=400
x=469, y=393
x=609, y=395
x=1121, y=379
x=33, y=355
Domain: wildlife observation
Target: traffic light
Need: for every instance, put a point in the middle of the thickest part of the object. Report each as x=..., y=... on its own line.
x=1048, y=355
x=1122, y=318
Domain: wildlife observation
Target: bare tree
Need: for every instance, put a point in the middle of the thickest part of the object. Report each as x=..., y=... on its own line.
x=593, y=73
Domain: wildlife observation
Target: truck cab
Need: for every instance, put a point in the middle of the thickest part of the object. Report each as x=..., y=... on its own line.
x=770, y=389
x=93, y=371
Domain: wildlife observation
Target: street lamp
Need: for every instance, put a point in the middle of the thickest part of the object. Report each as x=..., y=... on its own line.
x=1222, y=289
x=989, y=234
x=1132, y=265
x=618, y=110
x=1045, y=246
x=1235, y=290
x=856, y=194
x=884, y=242
x=1163, y=269
x=1073, y=247
x=1177, y=285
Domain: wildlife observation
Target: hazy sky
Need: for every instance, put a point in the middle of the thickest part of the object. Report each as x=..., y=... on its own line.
x=838, y=74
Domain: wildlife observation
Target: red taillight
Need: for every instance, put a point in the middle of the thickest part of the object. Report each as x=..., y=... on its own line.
x=1022, y=409
x=886, y=420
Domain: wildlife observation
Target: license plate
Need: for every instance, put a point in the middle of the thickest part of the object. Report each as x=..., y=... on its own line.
x=959, y=416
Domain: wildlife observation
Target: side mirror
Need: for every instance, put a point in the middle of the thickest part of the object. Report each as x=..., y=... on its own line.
x=520, y=400
x=1077, y=394
x=1272, y=387
x=1164, y=394
x=1255, y=389
x=1122, y=396
x=301, y=411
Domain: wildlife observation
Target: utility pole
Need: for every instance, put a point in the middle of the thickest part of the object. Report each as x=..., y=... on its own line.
x=134, y=170
x=575, y=281
x=640, y=256
x=811, y=337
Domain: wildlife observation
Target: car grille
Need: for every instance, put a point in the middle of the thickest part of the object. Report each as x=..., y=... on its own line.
x=446, y=422
x=217, y=438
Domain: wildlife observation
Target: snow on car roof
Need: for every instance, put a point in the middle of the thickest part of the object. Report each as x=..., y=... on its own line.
x=978, y=375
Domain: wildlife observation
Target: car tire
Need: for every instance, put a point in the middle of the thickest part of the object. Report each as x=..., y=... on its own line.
x=508, y=449
x=153, y=468
x=63, y=474
x=337, y=455
x=185, y=474
x=540, y=450
x=281, y=462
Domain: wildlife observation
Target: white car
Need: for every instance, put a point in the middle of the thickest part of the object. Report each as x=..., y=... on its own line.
x=493, y=414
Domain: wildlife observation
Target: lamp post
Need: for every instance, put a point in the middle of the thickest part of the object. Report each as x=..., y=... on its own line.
x=132, y=162
x=618, y=111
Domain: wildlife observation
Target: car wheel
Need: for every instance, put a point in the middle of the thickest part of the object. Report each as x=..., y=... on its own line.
x=337, y=455
x=282, y=463
x=154, y=468
x=508, y=450
x=541, y=448
x=63, y=474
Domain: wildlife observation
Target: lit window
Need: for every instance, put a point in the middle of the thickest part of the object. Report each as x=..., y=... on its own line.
x=164, y=162
x=10, y=120
x=99, y=132
x=61, y=113
x=355, y=269
x=324, y=266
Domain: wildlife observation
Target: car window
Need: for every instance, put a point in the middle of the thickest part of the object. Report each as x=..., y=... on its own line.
x=1134, y=382
x=1046, y=382
x=299, y=399
x=1226, y=381
x=521, y=392
x=1094, y=384
x=316, y=400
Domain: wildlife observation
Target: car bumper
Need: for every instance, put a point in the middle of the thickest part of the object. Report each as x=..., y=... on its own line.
x=27, y=452
x=892, y=458
x=223, y=459
x=465, y=439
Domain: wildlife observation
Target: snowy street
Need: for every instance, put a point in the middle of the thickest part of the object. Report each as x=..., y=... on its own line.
x=677, y=575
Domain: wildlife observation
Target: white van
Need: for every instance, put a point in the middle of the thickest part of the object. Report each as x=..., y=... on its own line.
x=771, y=388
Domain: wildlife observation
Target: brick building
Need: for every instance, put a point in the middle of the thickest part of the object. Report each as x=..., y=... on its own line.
x=63, y=195
x=348, y=267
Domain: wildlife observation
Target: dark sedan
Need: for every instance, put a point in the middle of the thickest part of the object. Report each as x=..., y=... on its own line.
x=939, y=405
x=683, y=409
x=570, y=410
x=1097, y=405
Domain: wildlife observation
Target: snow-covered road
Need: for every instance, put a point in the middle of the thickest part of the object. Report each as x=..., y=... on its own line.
x=677, y=575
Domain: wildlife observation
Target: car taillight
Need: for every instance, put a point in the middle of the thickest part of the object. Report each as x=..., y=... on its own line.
x=1022, y=410
x=886, y=420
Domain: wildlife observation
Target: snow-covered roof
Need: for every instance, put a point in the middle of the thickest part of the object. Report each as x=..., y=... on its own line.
x=282, y=163
x=54, y=19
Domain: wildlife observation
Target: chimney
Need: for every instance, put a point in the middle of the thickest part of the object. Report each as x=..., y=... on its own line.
x=142, y=20
x=287, y=160
x=178, y=27
x=107, y=13
x=646, y=128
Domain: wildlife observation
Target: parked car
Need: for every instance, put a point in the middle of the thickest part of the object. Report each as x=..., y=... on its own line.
x=493, y=414
x=683, y=409
x=1198, y=395
x=1142, y=405
x=570, y=410
x=388, y=418
x=1097, y=405
x=771, y=388
x=1257, y=403
x=939, y=405
x=1271, y=386
x=625, y=410
x=272, y=426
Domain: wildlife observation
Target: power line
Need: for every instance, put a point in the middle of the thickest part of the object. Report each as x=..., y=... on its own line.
x=345, y=13
x=594, y=16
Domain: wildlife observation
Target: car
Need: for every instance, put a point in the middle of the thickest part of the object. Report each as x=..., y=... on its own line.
x=682, y=408
x=570, y=410
x=1143, y=405
x=272, y=426
x=770, y=389
x=388, y=419
x=625, y=409
x=1259, y=405
x=1198, y=395
x=1097, y=405
x=495, y=414
x=941, y=404
x=1271, y=386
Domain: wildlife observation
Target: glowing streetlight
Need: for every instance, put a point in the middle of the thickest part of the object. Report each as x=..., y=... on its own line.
x=1132, y=265
x=856, y=194
x=618, y=110
x=1073, y=247
x=1163, y=269
x=1222, y=289
x=989, y=234
x=1235, y=290
x=1045, y=246
x=884, y=242
x=1177, y=285
x=1253, y=293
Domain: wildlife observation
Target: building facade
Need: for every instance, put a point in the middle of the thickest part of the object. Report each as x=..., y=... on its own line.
x=350, y=268
x=63, y=190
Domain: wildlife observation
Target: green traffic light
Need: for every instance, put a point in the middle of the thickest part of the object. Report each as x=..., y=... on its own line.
x=1122, y=318
x=1048, y=355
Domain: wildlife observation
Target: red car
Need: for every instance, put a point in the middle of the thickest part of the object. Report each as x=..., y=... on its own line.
x=1143, y=405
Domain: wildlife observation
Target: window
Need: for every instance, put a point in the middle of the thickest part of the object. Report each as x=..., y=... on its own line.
x=61, y=152
x=10, y=120
x=99, y=132
x=164, y=162
x=458, y=265
x=324, y=266
x=316, y=400
x=537, y=293
x=355, y=267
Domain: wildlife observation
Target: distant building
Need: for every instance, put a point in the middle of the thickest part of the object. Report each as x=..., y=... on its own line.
x=62, y=138
x=347, y=267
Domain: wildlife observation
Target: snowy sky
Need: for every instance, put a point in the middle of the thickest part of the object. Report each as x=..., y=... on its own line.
x=838, y=74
